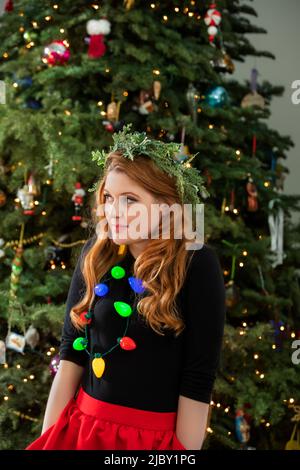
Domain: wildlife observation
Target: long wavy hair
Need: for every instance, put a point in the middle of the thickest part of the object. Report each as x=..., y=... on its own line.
x=162, y=265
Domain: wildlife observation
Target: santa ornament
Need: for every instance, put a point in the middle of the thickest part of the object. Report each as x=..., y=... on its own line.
x=97, y=29
x=212, y=20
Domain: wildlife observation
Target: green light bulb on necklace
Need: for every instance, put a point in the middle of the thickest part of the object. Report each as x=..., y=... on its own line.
x=123, y=309
x=117, y=272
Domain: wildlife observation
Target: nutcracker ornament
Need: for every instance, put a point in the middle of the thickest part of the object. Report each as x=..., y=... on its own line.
x=77, y=199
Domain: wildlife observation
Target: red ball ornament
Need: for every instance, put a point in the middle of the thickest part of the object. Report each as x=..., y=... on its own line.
x=108, y=126
x=83, y=318
x=127, y=343
x=56, y=53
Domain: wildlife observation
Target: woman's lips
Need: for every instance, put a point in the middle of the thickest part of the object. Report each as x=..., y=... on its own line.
x=119, y=227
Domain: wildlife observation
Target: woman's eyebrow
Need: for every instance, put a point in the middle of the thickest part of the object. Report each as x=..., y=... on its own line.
x=128, y=192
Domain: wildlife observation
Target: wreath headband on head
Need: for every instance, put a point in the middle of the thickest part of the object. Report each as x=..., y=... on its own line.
x=189, y=182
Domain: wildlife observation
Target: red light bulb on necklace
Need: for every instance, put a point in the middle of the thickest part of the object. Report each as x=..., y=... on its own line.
x=127, y=343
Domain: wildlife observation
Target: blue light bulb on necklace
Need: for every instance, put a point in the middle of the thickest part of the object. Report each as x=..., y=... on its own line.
x=101, y=289
x=136, y=284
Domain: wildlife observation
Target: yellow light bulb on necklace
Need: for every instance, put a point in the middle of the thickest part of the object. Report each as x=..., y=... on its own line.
x=98, y=365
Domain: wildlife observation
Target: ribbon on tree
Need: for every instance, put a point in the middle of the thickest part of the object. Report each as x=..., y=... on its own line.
x=276, y=224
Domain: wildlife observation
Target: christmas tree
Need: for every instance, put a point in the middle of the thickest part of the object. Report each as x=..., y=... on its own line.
x=71, y=74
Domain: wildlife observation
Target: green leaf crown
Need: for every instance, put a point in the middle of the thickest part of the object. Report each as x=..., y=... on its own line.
x=189, y=182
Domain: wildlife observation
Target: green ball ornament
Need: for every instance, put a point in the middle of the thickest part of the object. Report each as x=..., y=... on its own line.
x=80, y=343
x=123, y=309
x=117, y=272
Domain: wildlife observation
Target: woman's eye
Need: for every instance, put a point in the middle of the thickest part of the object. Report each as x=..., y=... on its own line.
x=129, y=199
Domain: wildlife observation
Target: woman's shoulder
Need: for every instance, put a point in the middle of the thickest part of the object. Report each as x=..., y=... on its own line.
x=88, y=244
x=204, y=256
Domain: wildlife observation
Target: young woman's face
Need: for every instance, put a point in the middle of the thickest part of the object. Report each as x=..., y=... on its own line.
x=127, y=208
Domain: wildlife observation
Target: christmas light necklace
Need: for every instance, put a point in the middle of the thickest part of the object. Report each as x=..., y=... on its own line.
x=122, y=308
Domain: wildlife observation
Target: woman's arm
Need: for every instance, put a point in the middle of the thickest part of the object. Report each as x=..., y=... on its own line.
x=205, y=311
x=63, y=388
x=192, y=421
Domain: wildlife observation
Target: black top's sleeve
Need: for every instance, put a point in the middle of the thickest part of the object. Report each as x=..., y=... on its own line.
x=69, y=332
x=204, y=313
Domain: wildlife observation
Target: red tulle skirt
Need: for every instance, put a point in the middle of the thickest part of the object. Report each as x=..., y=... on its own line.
x=90, y=424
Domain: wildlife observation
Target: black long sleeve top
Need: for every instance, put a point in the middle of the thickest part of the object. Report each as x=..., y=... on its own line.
x=160, y=368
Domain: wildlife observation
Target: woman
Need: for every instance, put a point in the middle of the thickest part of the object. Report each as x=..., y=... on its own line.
x=144, y=319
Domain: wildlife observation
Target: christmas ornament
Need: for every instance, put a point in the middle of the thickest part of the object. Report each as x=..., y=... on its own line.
x=33, y=185
x=146, y=102
x=97, y=29
x=9, y=6
x=2, y=198
x=77, y=198
x=56, y=53
x=122, y=308
x=212, y=19
x=216, y=97
x=2, y=352
x=113, y=126
x=16, y=270
x=54, y=365
x=276, y=226
x=156, y=89
x=2, y=252
x=192, y=97
x=113, y=111
x=183, y=153
x=252, y=195
x=26, y=199
x=32, y=337
x=189, y=182
x=253, y=98
x=232, y=294
x=223, y=63
x=242, y=428
x=146, y=105
x=15, y=341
